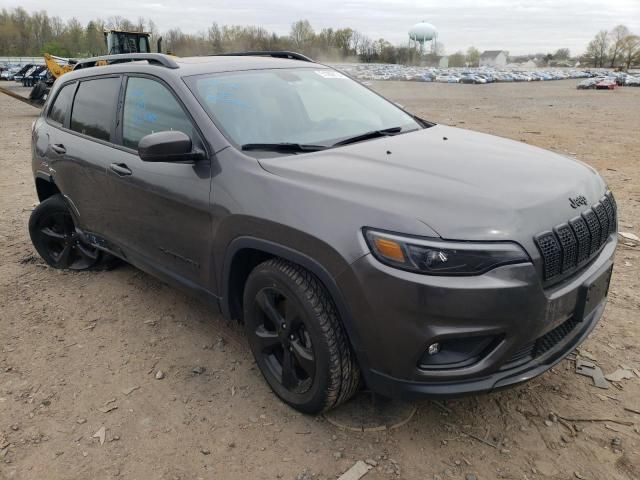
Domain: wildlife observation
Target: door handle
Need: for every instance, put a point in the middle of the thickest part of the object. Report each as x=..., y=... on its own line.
x=120, y=169
x=58, y=148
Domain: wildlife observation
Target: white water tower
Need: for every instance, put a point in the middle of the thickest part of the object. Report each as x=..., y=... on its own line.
x=421, y=34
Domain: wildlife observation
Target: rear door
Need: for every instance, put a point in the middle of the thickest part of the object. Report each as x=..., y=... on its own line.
x=80, y=132
x=163, y=208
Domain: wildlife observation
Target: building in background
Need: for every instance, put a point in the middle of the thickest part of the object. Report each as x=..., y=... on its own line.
x=493, y=58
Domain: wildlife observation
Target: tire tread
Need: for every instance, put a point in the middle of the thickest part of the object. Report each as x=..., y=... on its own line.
x=344, y=373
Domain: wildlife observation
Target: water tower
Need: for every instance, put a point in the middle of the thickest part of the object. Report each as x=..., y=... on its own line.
x=422, y=33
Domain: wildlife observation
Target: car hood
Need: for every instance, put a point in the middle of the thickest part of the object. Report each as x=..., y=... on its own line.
x=464, y=185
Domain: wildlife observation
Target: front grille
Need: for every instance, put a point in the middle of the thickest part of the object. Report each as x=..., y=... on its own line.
x=580, y=230
x=571, y=245
x=541, y=345
x=568, y=245
x=552, y=338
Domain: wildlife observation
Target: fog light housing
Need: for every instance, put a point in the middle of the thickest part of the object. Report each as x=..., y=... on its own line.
x=433, y=349
x=457, y=352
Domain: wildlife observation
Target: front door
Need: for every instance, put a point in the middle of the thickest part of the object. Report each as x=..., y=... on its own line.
x=164, y=219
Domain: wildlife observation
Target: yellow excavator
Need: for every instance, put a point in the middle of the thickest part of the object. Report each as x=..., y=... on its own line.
x=116, y=42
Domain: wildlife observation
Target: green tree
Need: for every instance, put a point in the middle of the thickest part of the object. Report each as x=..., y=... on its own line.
x=54, y=48
x=473, y=57
x=457, y=59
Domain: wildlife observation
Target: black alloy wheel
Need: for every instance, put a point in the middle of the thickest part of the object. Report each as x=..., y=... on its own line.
x=285, y=343
x=54, y=236
x=296, y=337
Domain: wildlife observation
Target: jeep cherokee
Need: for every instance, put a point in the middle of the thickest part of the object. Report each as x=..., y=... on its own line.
x=355, y=241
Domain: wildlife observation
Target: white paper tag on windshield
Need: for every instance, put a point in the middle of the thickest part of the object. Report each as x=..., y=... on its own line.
x=330, y=74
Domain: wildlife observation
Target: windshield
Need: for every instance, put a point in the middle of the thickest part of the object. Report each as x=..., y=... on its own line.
x=300, y=106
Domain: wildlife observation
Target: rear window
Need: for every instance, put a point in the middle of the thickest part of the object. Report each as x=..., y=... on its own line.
x=62, y=103
x=93, y=111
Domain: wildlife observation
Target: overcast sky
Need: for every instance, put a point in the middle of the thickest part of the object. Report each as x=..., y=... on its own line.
x=520, y=26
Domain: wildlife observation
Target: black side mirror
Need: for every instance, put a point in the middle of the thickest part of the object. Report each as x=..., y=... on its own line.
x=168, y=146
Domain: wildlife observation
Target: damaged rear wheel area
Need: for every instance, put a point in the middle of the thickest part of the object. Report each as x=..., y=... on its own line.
x=55, y=238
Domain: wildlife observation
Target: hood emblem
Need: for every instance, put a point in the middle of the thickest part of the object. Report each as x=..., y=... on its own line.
x=575, y=202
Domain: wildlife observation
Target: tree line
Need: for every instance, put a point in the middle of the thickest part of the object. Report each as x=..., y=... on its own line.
x=618, y=47
x=32, y=34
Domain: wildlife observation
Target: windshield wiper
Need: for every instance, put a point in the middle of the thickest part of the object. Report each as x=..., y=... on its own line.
x=283, y=147
x=369, y=135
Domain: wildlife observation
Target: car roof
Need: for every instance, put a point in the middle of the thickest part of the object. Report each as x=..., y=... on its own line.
x=187, y=66
x=230, y=63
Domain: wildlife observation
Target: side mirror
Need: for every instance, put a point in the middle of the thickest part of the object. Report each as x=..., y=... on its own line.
x=168, y=146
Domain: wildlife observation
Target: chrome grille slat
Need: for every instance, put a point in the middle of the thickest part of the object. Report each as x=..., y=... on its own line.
x=573, y=244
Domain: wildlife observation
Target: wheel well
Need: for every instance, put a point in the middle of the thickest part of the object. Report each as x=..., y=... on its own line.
x=45, y=189
x=244, y=261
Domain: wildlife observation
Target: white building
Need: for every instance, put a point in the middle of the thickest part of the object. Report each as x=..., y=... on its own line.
x=493, y=58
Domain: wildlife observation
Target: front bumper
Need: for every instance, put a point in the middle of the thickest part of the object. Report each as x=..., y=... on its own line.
x=398, y=314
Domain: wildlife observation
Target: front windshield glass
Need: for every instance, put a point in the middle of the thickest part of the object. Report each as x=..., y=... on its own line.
x=302, y=106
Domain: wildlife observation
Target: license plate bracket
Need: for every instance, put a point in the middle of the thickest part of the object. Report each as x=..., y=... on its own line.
x=592, y=292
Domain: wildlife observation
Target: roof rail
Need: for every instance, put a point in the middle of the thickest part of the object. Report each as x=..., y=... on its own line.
x=152, y=58
x=267, y=53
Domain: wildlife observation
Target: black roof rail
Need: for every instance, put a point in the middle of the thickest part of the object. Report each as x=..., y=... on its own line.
x=152, y=58
x=267, y=53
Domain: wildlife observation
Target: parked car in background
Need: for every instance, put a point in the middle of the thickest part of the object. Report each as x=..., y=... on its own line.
x=588, y=83
x=474, y=79
x=606, y=84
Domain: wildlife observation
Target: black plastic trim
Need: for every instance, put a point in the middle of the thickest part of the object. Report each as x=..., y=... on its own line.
x=152, y=58
x=267, y=53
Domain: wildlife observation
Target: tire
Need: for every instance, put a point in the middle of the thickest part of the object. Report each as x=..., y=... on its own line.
x=54, y=237
x=38, y=91
x=297, y=338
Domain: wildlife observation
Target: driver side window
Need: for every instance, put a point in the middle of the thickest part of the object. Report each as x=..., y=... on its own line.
x=149, y=107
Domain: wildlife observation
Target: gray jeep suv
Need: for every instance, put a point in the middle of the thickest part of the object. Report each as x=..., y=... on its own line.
x=357, y=243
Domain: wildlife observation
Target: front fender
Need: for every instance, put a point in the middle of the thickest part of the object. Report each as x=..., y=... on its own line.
x=326, y=274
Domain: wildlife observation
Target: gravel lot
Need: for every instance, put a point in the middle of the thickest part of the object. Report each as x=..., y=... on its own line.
x=80, y=351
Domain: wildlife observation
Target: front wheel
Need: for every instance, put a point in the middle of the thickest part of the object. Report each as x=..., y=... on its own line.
x=55, y=238
x=297, y=339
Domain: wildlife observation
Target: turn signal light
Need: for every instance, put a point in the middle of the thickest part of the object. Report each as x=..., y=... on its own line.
x=390, y=249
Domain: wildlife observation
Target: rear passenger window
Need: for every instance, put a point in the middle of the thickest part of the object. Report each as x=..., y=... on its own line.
x=93, y=111
x=62, y=104
x=149, y=107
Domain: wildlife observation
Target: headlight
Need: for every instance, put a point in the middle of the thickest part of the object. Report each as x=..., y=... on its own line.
x=439, y=257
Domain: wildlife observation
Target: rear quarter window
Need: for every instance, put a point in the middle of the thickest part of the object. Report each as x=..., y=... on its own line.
x=62, y=104
x=93, y=111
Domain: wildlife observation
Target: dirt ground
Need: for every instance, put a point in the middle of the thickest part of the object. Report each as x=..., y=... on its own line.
x=79, y=351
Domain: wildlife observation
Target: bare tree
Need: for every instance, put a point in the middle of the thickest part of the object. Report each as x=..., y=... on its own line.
x=617, y=36
x=630, y=51
x=597, y=49
x=301, y=34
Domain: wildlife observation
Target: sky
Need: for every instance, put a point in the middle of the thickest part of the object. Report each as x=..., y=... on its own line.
x=518, y=26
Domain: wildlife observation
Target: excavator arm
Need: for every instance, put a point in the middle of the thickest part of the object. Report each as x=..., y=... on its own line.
x=54, y=67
